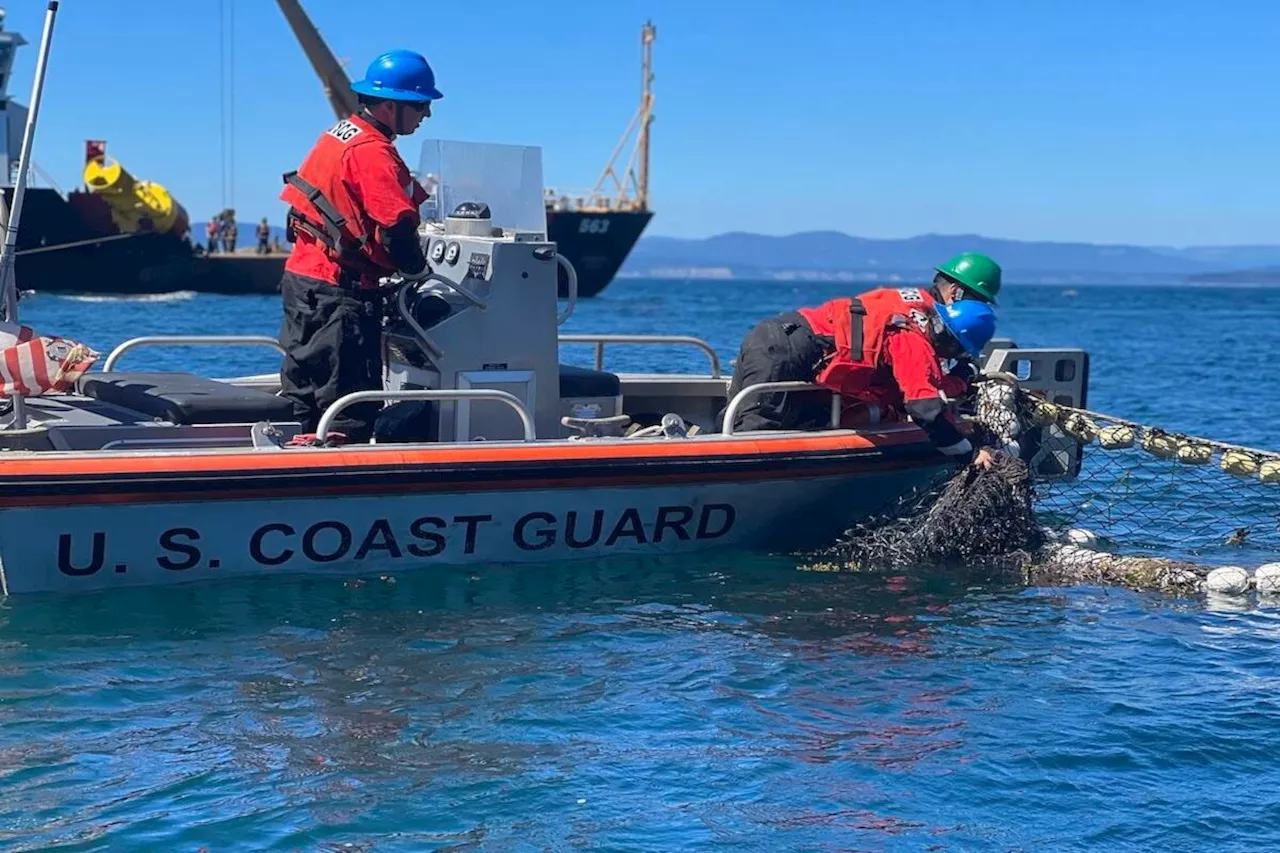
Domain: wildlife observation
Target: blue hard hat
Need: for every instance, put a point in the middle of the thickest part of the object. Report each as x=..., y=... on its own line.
x=970, y=322
x=399, y=75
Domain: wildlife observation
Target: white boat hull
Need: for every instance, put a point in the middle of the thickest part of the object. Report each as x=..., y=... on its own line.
x=70, y=549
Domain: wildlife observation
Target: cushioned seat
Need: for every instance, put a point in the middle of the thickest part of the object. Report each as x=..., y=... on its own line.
x=584, y=382
x=185, y=399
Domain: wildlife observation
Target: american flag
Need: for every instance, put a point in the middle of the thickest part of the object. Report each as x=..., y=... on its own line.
x=31, y=365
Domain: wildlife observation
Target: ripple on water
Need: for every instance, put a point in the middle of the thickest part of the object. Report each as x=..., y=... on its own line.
x=685, y=711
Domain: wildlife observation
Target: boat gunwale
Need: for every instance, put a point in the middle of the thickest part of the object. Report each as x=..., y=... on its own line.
x=259, y=485
x=550, y=450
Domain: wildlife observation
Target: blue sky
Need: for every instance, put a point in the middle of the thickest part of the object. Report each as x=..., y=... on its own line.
x=1136, y=121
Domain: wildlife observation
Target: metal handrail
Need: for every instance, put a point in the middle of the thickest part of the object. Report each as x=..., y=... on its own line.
x=731, y=411
x=162, y=340
x=601, y=340
x=326, y=420
x=572, y=290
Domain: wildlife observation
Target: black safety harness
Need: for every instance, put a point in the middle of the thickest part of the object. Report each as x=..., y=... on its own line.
x=857, y=313
x=331, y=232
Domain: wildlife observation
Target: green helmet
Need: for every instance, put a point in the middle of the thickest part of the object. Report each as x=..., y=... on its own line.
x=974, y=272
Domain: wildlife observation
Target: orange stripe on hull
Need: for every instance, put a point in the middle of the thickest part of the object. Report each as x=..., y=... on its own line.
x=851, y=468
x=348, y=458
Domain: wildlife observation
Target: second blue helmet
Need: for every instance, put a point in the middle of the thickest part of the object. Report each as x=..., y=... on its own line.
x=971, y=323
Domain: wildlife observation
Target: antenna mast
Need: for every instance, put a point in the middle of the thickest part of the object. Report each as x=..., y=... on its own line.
x=630, y=192
x=647, y=35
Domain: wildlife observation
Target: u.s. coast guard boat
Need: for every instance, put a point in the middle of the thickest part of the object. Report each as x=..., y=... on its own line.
x=492, y=451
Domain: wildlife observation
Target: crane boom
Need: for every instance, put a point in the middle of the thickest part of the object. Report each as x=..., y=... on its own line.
x=336, y=83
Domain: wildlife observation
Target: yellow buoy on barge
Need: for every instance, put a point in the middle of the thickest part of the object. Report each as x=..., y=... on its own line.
x=135, y=205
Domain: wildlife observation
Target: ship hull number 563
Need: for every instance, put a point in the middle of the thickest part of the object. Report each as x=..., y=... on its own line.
x=593, y=226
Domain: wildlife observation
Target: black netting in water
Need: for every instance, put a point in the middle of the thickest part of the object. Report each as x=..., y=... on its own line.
x=978, y=516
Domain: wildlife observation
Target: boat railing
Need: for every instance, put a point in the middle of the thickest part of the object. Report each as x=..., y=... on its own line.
x=188, y=340
x=571, y=290
x=601, y=340
x=326, y=420
x=167, y=443
x=731, y=411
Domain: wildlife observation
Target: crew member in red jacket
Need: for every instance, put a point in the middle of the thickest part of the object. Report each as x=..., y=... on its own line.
x=353, y=218
x=882, y=348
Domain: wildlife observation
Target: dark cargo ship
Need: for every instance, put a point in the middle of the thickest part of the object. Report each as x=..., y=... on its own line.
x=117, y=234
x=596, y=241
x=73, y=243
x=597, y=233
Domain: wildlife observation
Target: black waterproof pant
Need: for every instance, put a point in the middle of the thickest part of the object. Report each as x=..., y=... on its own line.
x=780, y=349
x=333, y=346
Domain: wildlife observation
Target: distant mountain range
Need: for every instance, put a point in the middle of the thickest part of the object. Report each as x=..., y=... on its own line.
x=832, y=255
x=1259, y=275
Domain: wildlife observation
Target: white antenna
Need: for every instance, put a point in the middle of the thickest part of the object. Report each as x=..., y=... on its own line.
x=8, y=283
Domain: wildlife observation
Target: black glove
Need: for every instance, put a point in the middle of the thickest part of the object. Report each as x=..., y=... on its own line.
x=422, y=275
x=964, y=369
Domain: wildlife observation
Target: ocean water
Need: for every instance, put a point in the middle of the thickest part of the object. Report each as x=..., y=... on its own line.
x=722, y=703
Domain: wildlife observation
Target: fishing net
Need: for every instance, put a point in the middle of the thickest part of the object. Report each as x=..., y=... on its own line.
x=1080, y=497
x=979, y=516
x=1142, y=489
